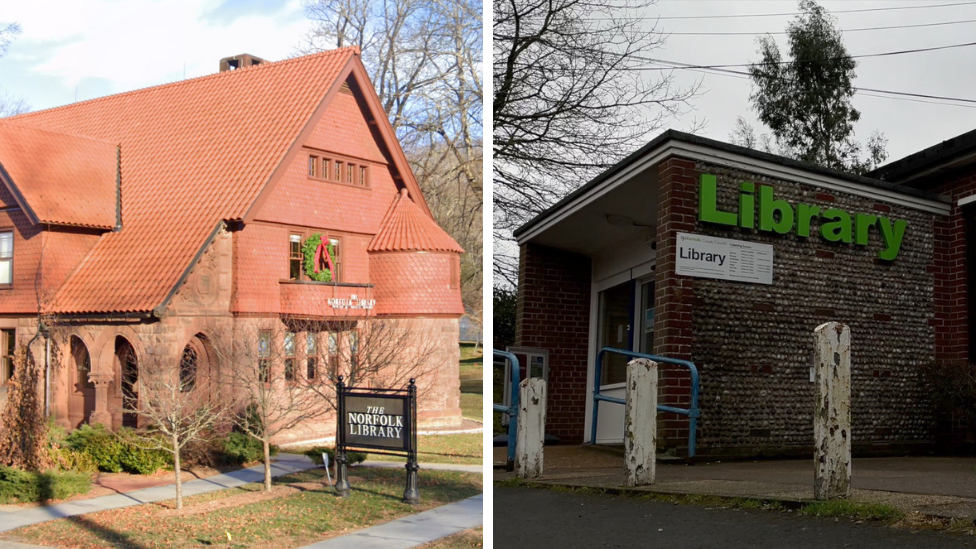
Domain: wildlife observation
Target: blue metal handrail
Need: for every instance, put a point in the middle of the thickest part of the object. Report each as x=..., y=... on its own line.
x=511, y=410
x=692, y=412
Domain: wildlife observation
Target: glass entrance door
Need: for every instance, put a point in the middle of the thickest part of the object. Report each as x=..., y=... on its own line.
x=647, y=317
x=616, y=312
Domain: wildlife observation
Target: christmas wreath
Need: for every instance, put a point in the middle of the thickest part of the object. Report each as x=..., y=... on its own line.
x=319, y=259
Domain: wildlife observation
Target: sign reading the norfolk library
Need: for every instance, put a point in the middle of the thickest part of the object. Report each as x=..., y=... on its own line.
x=781, y=217
x=713, y=257
x=384, y=421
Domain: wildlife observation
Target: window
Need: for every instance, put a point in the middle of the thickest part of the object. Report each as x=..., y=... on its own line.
x=311, y=355
x=289, y=356
x=8, y=344
x=334, y=352
x=334, y=242
x=264, y=356
x=338, y=170
x=6, y=258
x=295, y=257
x=188, y=369
x=353, y=351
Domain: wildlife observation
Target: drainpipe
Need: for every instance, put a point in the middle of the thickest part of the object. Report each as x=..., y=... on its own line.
x=47, y=376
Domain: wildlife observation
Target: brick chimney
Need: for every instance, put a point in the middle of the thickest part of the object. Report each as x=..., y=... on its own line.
x=239, y=62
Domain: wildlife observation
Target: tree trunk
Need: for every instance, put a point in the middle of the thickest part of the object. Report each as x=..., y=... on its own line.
x=176, y=471
x=267, y=464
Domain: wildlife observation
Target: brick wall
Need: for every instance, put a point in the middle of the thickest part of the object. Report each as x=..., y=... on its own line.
x=951, y=320
x=752, y=342
x=673, y=295
x=553, y=312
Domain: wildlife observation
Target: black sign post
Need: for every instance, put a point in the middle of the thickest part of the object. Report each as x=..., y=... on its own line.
x=380, y=421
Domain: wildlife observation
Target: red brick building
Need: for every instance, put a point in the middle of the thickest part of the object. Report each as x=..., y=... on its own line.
x=623, y=262
x=139, y=223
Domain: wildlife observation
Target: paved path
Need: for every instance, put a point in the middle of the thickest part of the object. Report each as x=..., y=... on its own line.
x=941, y=486
x=533, y=518
x=402, y=533
x=412, y=530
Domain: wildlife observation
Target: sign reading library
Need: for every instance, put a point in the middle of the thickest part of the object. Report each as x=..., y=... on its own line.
x=376, y=421
x=712, y=257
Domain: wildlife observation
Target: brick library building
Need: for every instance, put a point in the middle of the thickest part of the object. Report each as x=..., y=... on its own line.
x=269, y=202
x=727, y=257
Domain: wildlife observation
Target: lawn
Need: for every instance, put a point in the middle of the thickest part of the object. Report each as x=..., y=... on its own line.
x=465, y=449
x=304, y=511
x=472, y=400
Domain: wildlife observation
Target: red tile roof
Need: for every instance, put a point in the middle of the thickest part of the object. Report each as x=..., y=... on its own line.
x=407, y=228
x=60, y=179
x=194, y=153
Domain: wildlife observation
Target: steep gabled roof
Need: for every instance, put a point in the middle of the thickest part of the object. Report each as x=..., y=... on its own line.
x=195, y=153
x=60, y=179
x=407, y=228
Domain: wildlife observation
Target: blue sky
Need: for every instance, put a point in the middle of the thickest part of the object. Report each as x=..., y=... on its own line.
x=101, y=47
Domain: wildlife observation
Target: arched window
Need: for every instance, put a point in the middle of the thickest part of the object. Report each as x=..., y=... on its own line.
x=188, y=368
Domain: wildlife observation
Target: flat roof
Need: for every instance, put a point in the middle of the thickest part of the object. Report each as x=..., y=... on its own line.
x=929, y=159
x=674, y=135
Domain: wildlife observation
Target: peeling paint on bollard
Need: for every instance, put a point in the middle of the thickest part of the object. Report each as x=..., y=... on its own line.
x=832, y=416
x=531, y=428
x=640, y=429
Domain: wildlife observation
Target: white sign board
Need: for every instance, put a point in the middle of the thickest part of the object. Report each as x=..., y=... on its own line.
x=712, y=257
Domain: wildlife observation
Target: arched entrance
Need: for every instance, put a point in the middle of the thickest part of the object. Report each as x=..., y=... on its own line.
x=127, y=369
x=81, y=396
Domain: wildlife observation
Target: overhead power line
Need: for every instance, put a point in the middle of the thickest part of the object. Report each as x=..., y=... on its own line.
x=788, y=14
x=861, y=29
x=862, y=10
x=889, y=94
x=862, y=56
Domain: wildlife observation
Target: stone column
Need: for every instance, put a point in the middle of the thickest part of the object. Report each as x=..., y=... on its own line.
x=832, y=415
x=101, y=380
x=531, y=428
x=640, y=428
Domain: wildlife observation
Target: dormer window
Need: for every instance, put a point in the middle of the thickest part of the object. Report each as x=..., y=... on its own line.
x=338, y=170
x=6, y=258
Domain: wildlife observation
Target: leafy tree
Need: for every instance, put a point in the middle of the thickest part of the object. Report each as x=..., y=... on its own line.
x=805, y=100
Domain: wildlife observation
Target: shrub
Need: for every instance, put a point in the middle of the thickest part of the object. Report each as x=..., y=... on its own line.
x=240, y=449
x=23, y=486
x=315, y=454
x=117, y=453
x=66, y=459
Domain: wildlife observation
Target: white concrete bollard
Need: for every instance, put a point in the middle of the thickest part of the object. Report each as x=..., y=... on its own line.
x=832, y=414
x=531, y=428
x=640, y=429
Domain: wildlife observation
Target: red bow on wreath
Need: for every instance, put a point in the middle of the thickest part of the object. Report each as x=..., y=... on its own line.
x=323, y=252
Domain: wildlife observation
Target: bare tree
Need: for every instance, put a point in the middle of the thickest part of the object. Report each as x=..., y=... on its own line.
x=571, y=97
x=425, y=59
x=175, y=401
x=275, y=372
x=10, y=105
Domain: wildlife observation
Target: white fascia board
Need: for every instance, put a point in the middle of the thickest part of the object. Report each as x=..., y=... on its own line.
x=967, y=200
x=704, y=153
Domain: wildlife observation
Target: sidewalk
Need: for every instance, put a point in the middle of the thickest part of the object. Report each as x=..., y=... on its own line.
x=937, y=486
x=402, y=533
x=412, y=530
